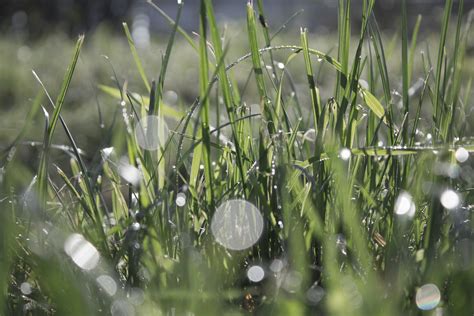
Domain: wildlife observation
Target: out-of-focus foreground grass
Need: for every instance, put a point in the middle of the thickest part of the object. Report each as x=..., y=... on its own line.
x=347, y=157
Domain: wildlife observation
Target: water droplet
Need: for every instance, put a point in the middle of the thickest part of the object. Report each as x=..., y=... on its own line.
x=428, y=297
x=108, y=284
x=320, y=59
x=201, y=167
x=82, y=252
x=281, y=65
x=404, y=205
x=345, y=154
x=181, y=199
x=130, y=173
x=151, y=132
x=462, y=155
x=450, y=199
x=280, y=224
x=106, y=152
x=135, y=226
x=122, y=308
x=255, y=274
x=237, y=224
x=123, y=103
x=26, y=288
x=341, y=244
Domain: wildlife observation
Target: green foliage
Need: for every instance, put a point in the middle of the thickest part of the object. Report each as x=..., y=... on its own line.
x=354, y=197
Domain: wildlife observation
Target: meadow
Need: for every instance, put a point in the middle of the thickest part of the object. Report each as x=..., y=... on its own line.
x=240, y=169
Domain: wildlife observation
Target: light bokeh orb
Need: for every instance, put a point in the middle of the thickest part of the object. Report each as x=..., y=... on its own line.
x=428, y=297
x=237, y=224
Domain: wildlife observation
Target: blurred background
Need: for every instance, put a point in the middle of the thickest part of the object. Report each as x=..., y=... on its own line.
x=39, y=35
x=33, y=19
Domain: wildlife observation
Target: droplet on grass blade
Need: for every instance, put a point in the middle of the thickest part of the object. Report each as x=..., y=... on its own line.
x=462, y=155
x=106, y=152
x=428, y=297
x=135, y=226
x=237, y=224
x=26, y=288
x=255, y=274
x=450, y=199
x=130, y=173
x=151, y=132
x=181, y=199
x=345, y=154
x=405, y=205
x=82, y=252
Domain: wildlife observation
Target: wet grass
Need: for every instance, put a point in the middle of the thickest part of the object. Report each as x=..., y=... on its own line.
x=366, y=200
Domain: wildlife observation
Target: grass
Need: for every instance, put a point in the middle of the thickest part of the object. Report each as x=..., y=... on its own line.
x=365, y=199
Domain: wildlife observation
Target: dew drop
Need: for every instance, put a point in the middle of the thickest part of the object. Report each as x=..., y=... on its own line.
x=404, y=205
x=462, y=155
x=135, y=226
x=26, y=288
x=130, y=173
x=428, y=297
x=345, y=154
x=281, y=65
x=106, y=152
x=255, y=274
x=450, y=199
x=181, y=199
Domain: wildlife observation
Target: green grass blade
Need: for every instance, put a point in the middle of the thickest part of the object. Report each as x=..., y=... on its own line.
x=203, y=91
x=136, y=58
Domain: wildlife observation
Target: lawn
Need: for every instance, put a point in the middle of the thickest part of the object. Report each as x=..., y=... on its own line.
x=240, y=169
